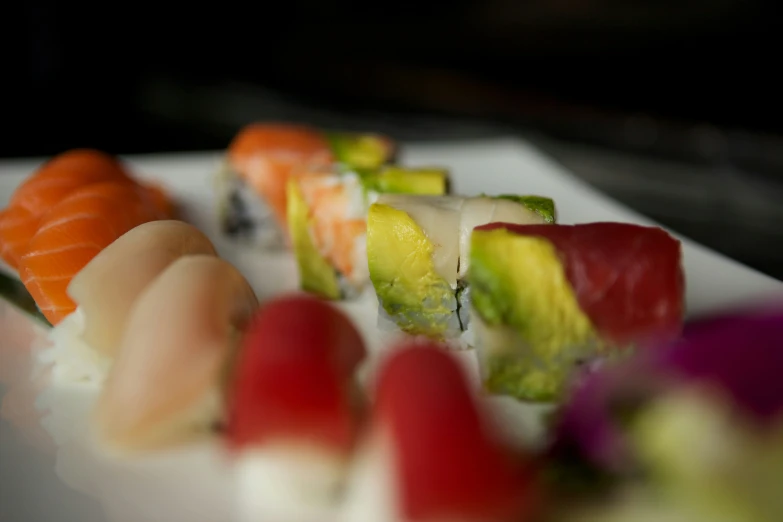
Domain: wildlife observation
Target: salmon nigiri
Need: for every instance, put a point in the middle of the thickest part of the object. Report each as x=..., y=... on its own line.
x=45, y=188
x=428, y=455
x=166, y=384
x=293, y=413
x=72, y=233
x=53, y=182
x=85, y=343
x=264, y=156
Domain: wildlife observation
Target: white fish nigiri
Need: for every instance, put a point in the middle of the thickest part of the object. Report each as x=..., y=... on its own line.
x=84, y=344
x=293, y=411
x=167, y=382
x=428, y=456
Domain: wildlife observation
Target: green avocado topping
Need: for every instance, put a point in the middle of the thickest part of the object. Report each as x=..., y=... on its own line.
x=544, y=207
x=397, y=180
x=533, y=330
x=360, y=151
x=316, y=275
x=403, y=274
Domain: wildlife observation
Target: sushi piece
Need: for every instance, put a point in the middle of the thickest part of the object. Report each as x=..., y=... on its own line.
x=263, y=156
x=550, y=298
x=167, y=383
x=417, y=250
x=44, y=189
x=294, y=410
x=73, y=232
x=86, y=342
x=429, y=455
x=327, y=216
x=53, y=182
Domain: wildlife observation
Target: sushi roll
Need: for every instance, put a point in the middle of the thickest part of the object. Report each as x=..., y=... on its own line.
x=429, y=455
x=85, y=343
x=327, y=215
x=262, y=157
x=417, y=256
x=166, y=386
x=294, y=412
x=547, y=299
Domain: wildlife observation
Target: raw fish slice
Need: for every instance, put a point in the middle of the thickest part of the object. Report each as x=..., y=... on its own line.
x=429, y=455
x=54, y=181
x=166, y=382
x=107, y=287
x=72, y=234
x=161, y=200
x=63, y=173
x=293, y=418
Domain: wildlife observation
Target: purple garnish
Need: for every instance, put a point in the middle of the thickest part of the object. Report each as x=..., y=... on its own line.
x=742, y=356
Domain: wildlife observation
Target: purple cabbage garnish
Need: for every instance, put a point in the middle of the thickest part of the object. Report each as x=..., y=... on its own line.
x=739, y=355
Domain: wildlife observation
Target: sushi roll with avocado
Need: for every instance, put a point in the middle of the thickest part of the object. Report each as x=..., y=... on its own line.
x=417, y=250
x=546, y=299
x=327, y=216
x=262, y=157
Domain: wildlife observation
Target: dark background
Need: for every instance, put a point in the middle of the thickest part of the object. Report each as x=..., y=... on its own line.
x=672, y=107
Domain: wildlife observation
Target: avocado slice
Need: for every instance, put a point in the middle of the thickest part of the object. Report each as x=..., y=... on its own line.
x=316, y=275
x=531, y=330
x=543, y=206
x=398, y=180
x=360, y=151
x=406, y=280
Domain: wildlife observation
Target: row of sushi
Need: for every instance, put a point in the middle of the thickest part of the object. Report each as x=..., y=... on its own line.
x=64, y=214
x=180, y=352
x=690, y=430
x=496, y=273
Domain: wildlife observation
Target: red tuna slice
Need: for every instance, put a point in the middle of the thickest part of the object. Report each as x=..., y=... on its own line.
x=449, y=467
x=628, y=279
x=294, y=376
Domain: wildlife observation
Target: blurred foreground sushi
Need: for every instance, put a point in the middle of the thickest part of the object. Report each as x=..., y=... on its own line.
x=692, y=432
x=327, y=214
x=417, y=250
x=261, y=159
x=547, y=299
x=294, y=413
x=429, y=454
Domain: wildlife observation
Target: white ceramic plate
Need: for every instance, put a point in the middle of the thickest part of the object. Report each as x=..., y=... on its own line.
x=28, y=487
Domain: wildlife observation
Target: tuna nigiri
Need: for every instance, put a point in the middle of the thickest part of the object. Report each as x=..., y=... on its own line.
x=261, y=159
x=428, y=455
x=293, y=413
x=166, y=385
x=549, y=298
x=73, y=232
x=84, y=343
